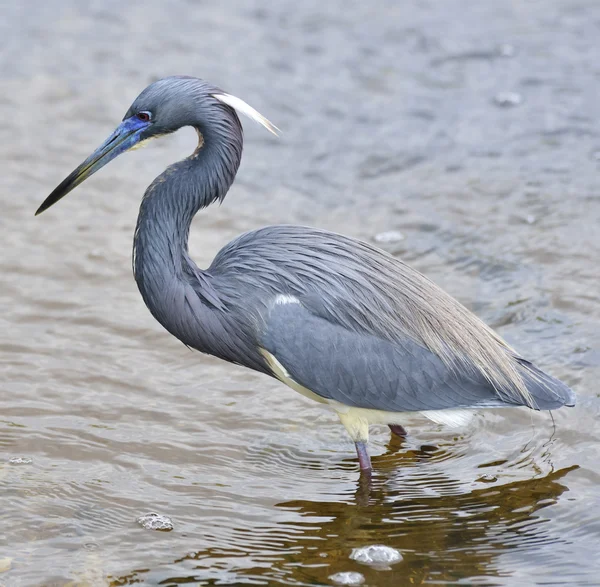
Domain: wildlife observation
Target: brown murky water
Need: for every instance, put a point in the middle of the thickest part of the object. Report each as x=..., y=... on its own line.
x=474, y=133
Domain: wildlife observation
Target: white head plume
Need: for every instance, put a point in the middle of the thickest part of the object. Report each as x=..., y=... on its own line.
x=241, y=106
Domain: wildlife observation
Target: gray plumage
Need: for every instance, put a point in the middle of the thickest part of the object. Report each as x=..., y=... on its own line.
x=354, y=325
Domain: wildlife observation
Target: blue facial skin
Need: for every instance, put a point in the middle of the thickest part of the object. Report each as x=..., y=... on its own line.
x=126, y=135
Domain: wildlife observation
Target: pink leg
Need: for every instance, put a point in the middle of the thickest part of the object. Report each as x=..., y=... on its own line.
x=398, y=430
x=363, y=457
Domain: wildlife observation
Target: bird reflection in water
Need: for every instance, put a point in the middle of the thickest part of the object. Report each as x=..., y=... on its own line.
x=446, y=529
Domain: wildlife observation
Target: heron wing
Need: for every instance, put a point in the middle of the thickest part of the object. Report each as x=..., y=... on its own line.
x=384, y=335
x=365, y=371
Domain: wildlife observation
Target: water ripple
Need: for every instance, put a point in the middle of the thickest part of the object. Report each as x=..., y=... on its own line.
x=390, y=129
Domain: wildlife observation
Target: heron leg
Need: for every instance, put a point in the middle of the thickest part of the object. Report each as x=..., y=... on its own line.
x=357, y=427
x=364, y=459
x=397, y=430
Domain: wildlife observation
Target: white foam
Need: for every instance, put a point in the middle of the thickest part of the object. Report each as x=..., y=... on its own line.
x=154, y=521
x=347, y=578
x=376, y=555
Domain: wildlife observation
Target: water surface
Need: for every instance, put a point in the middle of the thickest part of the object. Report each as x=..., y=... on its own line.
x=472, y=133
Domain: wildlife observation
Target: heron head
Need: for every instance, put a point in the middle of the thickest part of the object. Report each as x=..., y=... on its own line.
x=163, y=107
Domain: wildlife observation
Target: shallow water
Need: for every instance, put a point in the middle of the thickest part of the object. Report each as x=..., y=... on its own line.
x=474, y=134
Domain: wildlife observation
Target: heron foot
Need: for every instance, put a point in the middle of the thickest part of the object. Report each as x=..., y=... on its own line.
x=398, y=430
x=364, y=459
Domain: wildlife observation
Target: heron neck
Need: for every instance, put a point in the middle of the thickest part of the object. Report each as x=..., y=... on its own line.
x=170, y=204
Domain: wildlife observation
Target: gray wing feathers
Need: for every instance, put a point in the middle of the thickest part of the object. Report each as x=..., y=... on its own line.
x=357, y=286
x=547, y=392
x=365, y=371
x=391, y=328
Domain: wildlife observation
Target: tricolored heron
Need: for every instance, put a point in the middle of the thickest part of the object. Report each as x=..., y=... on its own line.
x=336, y=319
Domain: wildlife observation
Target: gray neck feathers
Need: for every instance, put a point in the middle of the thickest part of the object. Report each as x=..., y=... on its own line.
x=174, y=197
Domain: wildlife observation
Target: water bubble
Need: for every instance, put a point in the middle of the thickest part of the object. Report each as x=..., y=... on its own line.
x=376, y=555
x=508, y=99
x=20, y=461
x=154, y=521
x=389, y=237
x=95, y=254
x=347, y=578
x=507, y=50
x=487, y=479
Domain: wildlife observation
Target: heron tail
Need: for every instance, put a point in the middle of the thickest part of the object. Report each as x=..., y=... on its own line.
x=547, y=393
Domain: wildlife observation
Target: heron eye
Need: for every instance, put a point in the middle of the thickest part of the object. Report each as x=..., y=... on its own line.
x=143, y=116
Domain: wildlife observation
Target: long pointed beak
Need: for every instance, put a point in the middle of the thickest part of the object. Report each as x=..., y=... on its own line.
x=126, y=136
